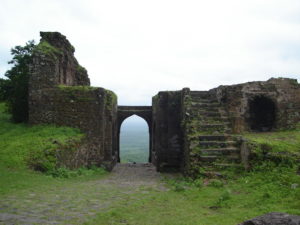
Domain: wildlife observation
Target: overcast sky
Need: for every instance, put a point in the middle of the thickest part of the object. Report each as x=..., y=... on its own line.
x=137, y=48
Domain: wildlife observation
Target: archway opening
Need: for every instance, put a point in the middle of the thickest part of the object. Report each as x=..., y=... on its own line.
x=134, y=140
x=262, y=114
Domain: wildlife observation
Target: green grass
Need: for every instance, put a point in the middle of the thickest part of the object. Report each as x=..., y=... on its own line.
x=280, y=141
x=19, y=141
x=267, y=187
x=212, y=202
x=241, y=195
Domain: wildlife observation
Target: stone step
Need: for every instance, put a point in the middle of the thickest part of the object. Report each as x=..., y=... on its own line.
x=213, y=120
x=213, y=158
x=214, y=125
x=203, y=100
x=209, y=113
x=220, y=151
x=219, y=119
x=214, y=137
x=204, y=109
x=204, y=105
x=200, y=94
x=221, y=130
x=209, y=122
x=213, y=144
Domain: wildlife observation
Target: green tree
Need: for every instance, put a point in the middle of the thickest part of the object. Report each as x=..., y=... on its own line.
x=15, y=88
x=5, y=87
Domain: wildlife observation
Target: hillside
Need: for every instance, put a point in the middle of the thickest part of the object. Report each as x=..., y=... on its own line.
x=134, y=142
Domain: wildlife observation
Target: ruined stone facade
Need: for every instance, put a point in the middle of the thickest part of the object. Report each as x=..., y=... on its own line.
x=280, y=95
x=59, y=93
x=188, y=129
x=213, y=121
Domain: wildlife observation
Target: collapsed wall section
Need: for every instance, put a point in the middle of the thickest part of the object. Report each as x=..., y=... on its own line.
x=59, y=93
x=54, y=63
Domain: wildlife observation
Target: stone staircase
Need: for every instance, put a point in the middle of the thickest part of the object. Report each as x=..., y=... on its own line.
x=210, y=142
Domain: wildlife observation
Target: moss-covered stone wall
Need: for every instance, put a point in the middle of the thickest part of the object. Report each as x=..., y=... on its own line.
x=59, y=93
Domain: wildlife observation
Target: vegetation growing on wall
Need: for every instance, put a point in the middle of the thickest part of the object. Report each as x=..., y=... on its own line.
x=47, y=49
x=78, y=93
x=81, y=69
x=71, y=89
x=111, y=99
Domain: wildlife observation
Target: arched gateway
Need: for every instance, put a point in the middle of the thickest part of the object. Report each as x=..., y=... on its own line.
x=124, y=112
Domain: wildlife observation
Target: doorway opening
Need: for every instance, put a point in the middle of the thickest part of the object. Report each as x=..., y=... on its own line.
x=262, y=114
x=134, y=140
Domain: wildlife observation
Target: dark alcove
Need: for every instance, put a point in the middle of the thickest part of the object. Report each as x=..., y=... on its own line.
x=262, y=114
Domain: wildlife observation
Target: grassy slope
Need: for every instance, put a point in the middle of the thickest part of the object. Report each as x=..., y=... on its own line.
x=219, y=203
x=282, y=141
x=267, y=188
x=16, y=143
x=222, y=202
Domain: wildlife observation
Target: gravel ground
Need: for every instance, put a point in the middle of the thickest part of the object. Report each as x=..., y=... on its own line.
x=79, y=202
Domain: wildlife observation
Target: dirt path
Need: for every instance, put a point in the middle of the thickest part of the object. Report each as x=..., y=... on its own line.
x=76, y=203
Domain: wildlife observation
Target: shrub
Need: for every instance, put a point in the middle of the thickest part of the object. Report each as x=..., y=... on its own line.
x=216, y=183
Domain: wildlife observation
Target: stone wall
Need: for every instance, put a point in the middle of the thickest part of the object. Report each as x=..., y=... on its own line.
x=209, y=118
x=167, y=133
x=59, y=93
x=285, y=93
x=186, y=130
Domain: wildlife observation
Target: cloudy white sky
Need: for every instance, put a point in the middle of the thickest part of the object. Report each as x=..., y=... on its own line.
x=137, y=48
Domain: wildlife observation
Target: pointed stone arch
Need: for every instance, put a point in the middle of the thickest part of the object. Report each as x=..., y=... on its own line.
x=124, y=112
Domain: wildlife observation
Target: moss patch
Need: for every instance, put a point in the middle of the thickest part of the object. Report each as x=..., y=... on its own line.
x=76, y=88
x=81, y=69
x=47, y=49
x=111, y=99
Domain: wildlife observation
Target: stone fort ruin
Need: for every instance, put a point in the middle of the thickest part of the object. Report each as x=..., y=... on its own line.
x=188, y=129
